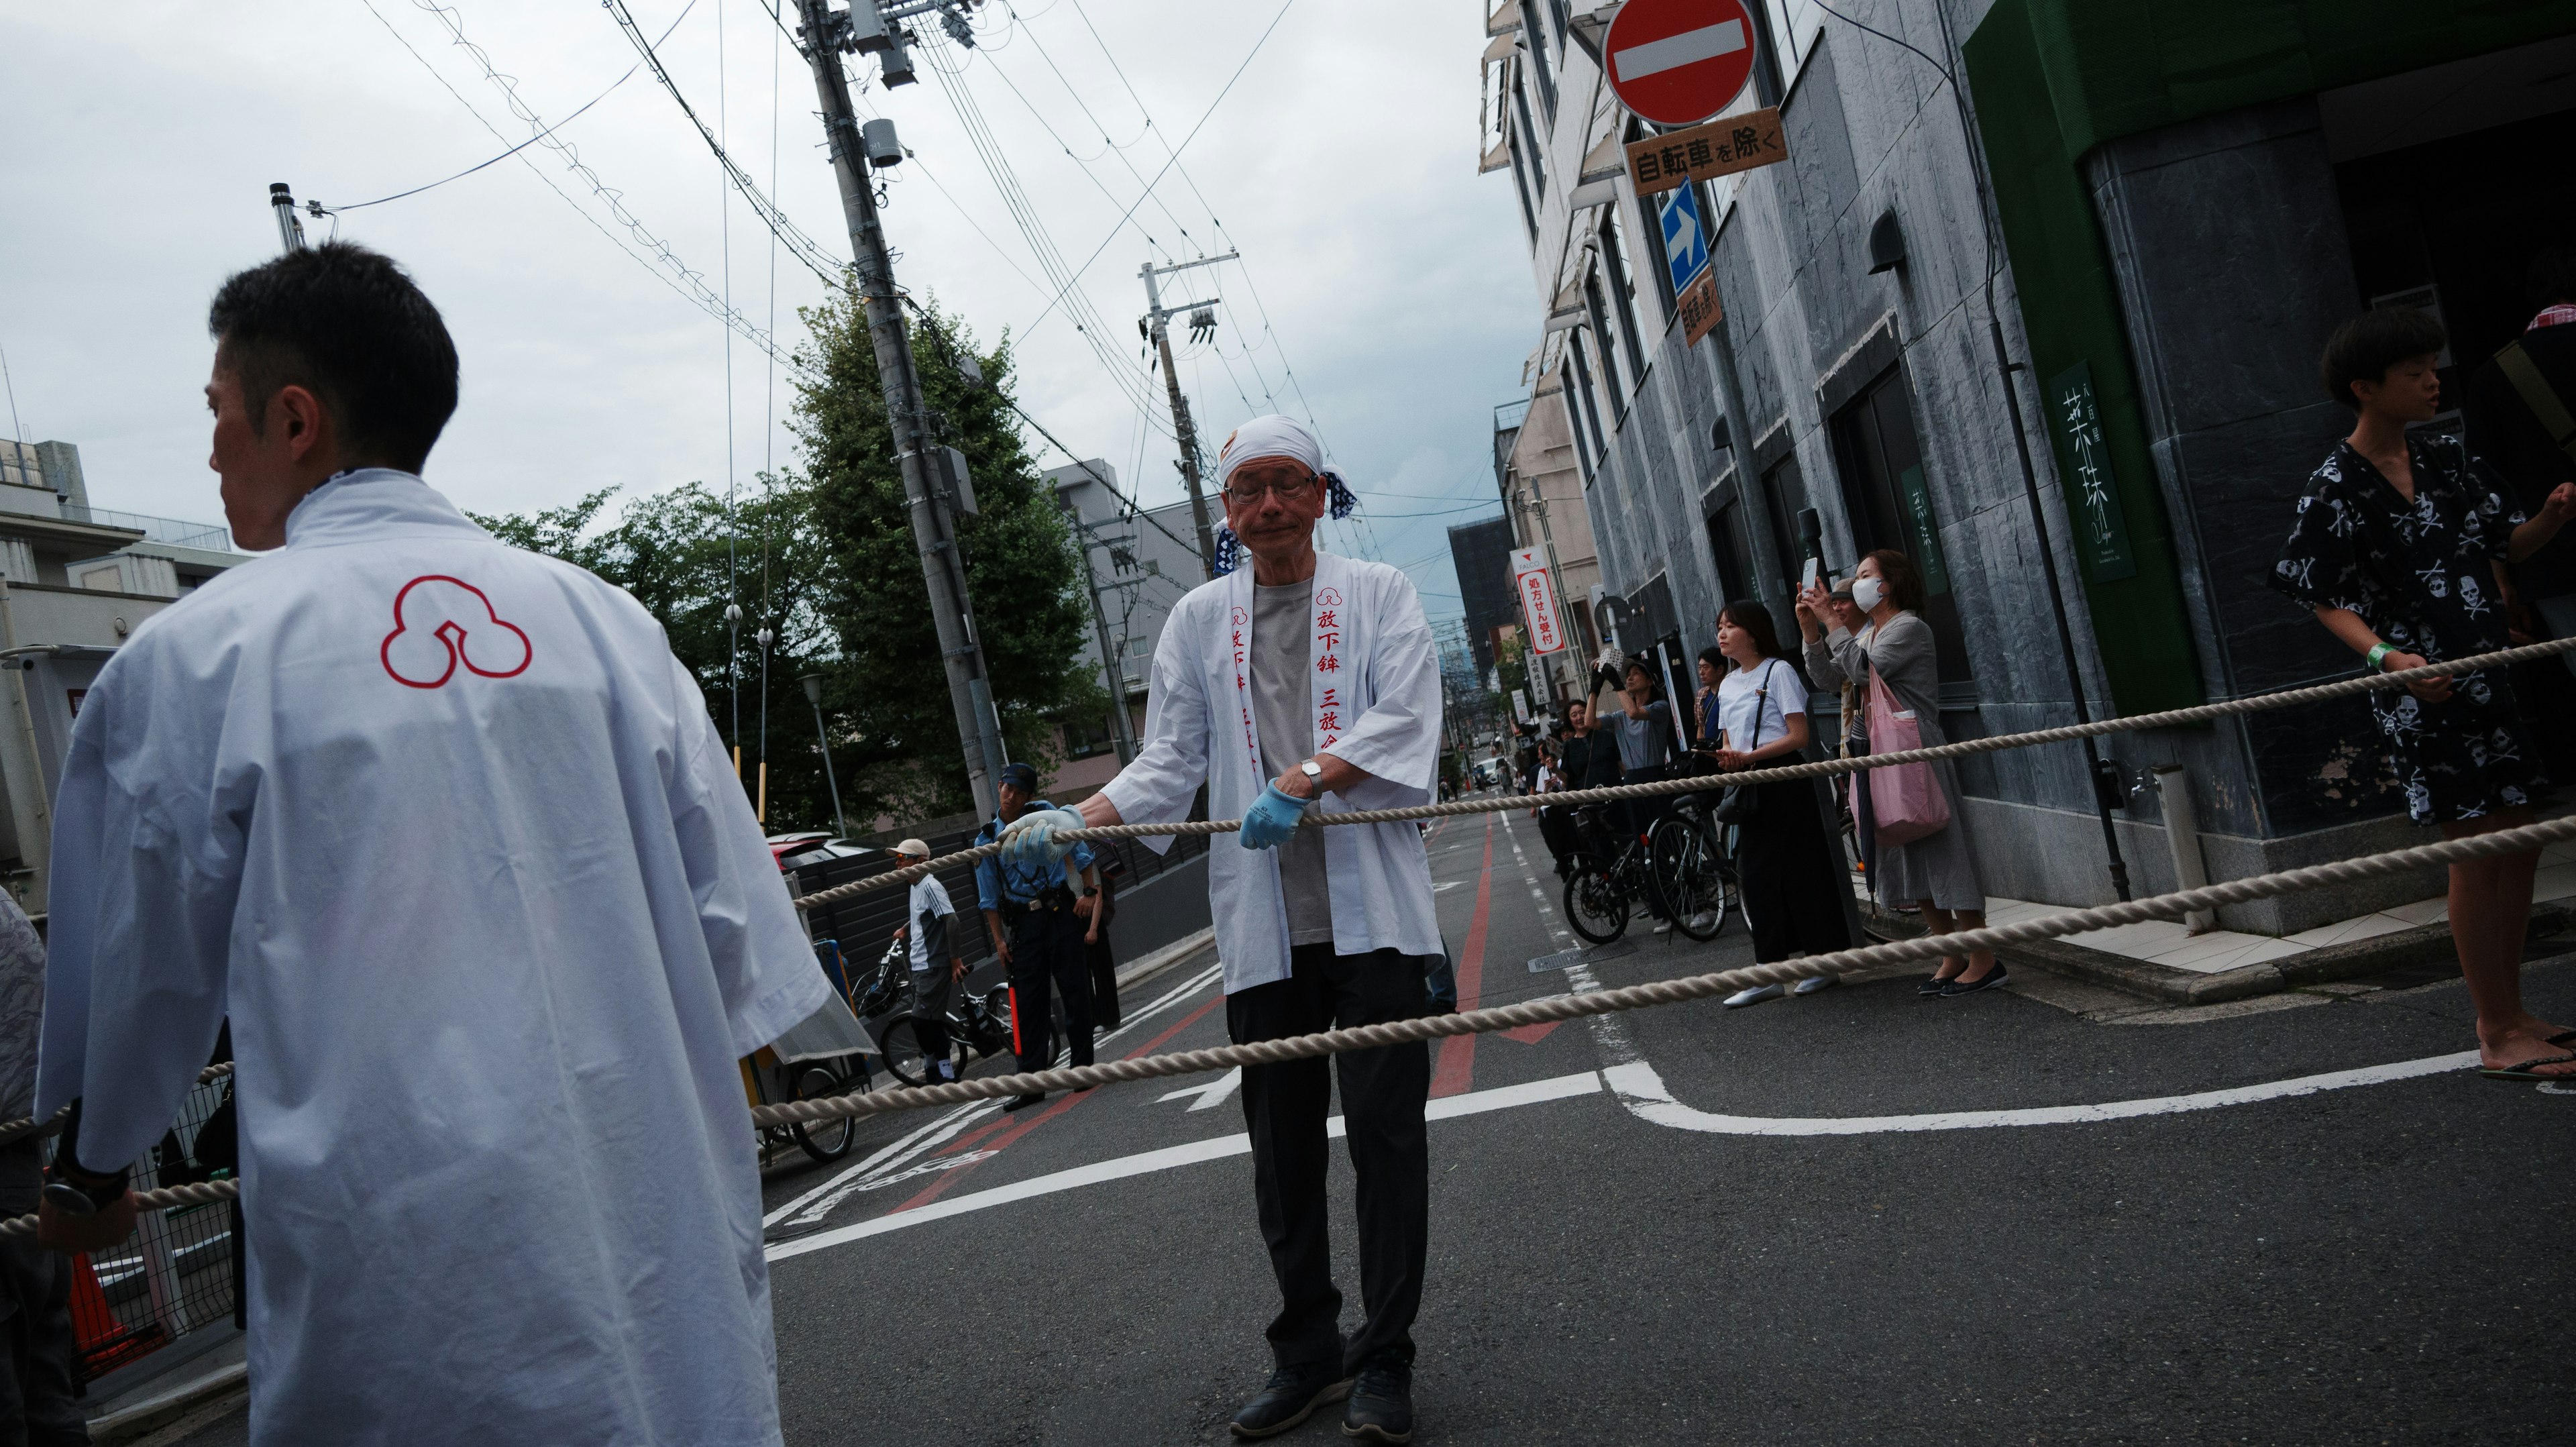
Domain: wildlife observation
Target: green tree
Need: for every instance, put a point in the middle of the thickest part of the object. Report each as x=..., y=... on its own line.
x=843, y=594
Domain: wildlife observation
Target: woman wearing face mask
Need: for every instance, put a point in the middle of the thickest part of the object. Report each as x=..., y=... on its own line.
x=1938, y=872
x=1788, y=870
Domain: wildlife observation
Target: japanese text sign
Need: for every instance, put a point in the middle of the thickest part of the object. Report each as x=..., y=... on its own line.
x=2084, y=468
x=1720, y=148
x=1538, y=602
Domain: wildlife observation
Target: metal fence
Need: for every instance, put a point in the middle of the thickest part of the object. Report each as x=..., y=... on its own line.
x=179, y=1271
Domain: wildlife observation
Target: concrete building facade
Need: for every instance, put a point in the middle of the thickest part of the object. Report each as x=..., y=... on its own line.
x=2110, y=238
x=1142, y=563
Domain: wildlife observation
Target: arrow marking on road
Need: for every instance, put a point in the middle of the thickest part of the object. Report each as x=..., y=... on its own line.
x=1212, y=1094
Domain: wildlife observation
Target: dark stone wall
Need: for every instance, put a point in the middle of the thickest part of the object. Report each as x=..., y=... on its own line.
x=2227, y=238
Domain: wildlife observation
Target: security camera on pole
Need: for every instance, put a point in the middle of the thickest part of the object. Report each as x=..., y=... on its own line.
x=934, y=481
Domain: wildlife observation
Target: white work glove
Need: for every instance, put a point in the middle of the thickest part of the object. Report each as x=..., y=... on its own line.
x=1031, y=839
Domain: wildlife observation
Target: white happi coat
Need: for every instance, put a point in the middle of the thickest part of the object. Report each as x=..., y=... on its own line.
x=1375, y=691
x=447, y=832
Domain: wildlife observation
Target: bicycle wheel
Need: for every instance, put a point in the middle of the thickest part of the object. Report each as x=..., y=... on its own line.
x=900, y=1043
x=1595, y=904
x=1690, y=878
x=828, y=1139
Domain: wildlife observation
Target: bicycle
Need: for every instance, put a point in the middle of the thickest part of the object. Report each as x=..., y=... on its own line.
x=1693, y=861
x=978, y=1028
x=1597, y=894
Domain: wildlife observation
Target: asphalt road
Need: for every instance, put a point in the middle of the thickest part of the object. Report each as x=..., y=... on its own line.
x=1857, y=1216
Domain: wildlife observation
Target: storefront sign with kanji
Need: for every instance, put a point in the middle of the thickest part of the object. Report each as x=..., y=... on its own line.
x=1538, y=602
x=1698, y=306
x=1720, y=148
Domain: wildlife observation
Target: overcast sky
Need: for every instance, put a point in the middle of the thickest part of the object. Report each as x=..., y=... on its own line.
x=141, y=140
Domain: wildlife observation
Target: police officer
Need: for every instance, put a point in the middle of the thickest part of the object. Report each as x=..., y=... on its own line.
x=1038, y=924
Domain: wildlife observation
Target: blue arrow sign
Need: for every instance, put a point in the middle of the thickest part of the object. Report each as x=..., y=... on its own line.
x=1685, y=250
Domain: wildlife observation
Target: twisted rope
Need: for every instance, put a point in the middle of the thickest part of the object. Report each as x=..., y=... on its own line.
x=1578, y=798
x=1574, y=1007
x=1670, y=992
x=12, y=1129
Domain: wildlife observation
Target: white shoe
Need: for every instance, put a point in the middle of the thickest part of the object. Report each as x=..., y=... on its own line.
x=1663, y=926
x=1755, y=996
x=1702, y=921
x=1814, y=984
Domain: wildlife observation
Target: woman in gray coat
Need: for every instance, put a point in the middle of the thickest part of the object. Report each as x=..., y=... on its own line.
x=1938, y=872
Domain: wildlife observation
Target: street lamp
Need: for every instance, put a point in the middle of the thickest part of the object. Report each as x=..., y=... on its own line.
x=814, y=695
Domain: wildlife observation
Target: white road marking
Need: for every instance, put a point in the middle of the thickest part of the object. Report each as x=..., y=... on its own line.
x=1643, y=1093
x=1169, y=1158
x=819, y=1202
x=1210, y=1095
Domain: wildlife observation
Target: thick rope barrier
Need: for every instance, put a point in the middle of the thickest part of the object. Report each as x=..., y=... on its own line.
x=1710, y=783
x=12, y=1129
x=1575, y=1007
x=1671, y=992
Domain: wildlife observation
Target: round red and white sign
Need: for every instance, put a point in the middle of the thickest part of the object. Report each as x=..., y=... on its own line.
x=1679, y=62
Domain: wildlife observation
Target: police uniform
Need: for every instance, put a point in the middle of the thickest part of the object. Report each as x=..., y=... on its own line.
x=1046, y=945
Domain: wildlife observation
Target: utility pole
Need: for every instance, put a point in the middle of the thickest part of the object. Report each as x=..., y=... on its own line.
x=1156, y=315
x=824, y=35
x=1113, y=668
x=290, y=232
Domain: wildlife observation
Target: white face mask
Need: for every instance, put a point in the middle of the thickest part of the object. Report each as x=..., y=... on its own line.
x=1866, y=594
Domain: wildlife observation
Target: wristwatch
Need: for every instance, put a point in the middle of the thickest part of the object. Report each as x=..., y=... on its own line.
x=1314, y=773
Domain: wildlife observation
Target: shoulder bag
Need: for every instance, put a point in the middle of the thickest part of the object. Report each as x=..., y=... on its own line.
x=1906, y=799
x=1736, y=805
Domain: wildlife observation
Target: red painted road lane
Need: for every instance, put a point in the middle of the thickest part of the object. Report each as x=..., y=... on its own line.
x=1456, y=1072
x=1022, y=1127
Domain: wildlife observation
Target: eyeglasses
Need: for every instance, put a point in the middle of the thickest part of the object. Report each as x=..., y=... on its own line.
x=1286, y=491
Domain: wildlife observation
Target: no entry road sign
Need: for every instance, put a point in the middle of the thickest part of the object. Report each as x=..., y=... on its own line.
x=1679, y=62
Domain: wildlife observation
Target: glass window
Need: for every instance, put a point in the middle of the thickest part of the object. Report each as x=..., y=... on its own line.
x=1585, y=407
x=1534, y=44
x=1530, y=134
x=1600, y=308
x=1521, y=183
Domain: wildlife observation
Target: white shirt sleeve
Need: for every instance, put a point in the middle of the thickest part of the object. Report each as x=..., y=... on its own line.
x=1172, y=759
x=765, y=967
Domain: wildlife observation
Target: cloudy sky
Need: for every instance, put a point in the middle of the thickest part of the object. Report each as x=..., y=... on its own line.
x=1384, y=284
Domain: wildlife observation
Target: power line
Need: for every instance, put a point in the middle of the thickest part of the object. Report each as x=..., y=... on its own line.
x=681, y=277
x=321, y=210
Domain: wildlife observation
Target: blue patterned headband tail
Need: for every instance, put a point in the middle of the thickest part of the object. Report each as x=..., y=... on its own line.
x=1229, y=548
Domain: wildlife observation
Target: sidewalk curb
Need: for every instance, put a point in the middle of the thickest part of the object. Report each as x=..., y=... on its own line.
x=1163, y=959
x=127, y=1423
x=2423, y=944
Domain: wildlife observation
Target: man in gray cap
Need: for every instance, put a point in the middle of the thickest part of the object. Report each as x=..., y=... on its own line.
x=1038, y=924
x=930, y=927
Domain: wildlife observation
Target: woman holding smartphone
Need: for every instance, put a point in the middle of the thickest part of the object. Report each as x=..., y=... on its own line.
x=1787, y=868
x=1938, y=872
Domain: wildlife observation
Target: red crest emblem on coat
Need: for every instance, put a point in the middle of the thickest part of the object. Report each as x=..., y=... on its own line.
x=440, y=622
x=1241, y=617
x=1329, y=598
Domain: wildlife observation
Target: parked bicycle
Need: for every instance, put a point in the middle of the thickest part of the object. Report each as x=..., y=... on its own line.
x=1604, y=877
x=1692, y=856
x=979, y=1025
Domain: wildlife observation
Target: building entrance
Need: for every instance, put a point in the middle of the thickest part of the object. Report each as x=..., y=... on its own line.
x=1891, y=507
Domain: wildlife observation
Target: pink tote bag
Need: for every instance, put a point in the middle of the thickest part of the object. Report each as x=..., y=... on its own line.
x=1906, y=798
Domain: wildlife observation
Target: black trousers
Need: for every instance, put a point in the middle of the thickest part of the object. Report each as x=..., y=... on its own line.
x=1046, y=950
x=1383, y=1093
x=930, y=991
x=36, y=1345
x=1790, y=872
x=1104, y=974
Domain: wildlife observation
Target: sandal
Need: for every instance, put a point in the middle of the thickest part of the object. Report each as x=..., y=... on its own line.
x=2528, y=1070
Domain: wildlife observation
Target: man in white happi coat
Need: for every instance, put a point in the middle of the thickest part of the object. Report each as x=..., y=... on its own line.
x=1307, y=682
x=447, y=833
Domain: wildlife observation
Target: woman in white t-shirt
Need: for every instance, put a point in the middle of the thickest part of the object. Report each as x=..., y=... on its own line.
x=1781, y=857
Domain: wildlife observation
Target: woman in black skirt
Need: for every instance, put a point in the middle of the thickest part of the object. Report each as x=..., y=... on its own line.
x=1786, y=867
x=2401, y=547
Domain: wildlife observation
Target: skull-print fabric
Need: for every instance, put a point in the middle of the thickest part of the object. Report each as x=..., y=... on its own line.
x=2422, y=574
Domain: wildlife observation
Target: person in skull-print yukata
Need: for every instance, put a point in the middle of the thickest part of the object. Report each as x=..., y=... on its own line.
x=2401, y=546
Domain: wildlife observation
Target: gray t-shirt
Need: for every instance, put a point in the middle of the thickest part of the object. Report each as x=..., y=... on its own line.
x=1283, y=715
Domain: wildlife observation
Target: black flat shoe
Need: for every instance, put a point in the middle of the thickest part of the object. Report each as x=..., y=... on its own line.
x=1930, y=985
x=1022, y=1102
x=1381, y=1406
x=1291, y=1398
x=1956, y=988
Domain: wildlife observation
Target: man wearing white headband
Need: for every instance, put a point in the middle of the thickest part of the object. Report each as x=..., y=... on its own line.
x=1308, y=685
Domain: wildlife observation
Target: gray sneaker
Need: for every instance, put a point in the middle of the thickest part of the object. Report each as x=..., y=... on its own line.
x=1755, y=996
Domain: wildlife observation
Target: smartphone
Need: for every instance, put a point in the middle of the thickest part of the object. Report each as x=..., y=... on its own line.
x=1815, y=568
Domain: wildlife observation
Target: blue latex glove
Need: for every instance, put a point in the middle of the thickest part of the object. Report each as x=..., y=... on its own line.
x=1271, y=819
x=1031, y=839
